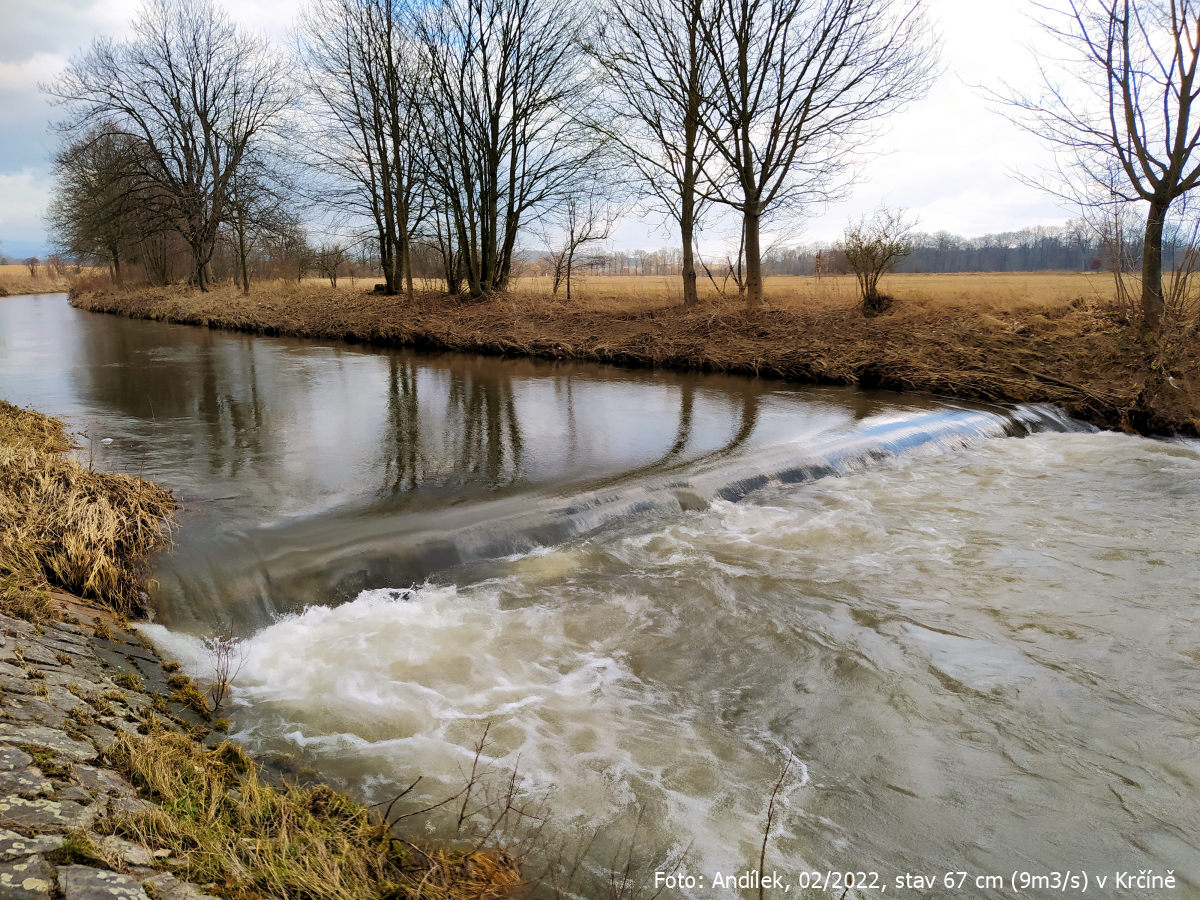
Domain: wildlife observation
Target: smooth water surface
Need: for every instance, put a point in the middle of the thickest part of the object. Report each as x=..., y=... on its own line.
x=981, y=652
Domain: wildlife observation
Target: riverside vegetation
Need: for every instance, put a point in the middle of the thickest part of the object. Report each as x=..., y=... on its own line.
x=41, y=279
x=1055, y=338
x=117, y=781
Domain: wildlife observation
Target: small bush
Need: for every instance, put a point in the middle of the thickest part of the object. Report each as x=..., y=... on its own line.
x=873, y=247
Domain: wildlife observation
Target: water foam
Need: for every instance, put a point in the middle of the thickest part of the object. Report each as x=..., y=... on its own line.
x=905, y=632
x=402, y=683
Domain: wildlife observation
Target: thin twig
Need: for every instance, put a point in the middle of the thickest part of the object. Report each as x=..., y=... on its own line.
x=762, y=856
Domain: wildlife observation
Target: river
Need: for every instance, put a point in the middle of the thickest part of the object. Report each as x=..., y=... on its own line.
x=974, y=632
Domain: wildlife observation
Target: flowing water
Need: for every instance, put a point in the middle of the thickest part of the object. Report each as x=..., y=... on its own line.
x=974, y=632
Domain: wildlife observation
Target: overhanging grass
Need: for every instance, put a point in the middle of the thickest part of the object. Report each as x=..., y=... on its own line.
x=228, y=828
x=66, y=526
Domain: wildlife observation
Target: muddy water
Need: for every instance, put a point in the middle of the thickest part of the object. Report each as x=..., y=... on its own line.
x=979, y=650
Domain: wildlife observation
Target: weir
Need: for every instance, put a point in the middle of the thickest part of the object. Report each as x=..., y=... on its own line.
x=332, y=558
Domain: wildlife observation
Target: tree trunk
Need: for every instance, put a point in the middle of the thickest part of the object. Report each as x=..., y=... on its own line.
x=570, y=265
x=200, y=283
x=687, y=234
x=1153, y=305
x=242, y=261
x=387, y=261
x=754, y=279
x=406, y=261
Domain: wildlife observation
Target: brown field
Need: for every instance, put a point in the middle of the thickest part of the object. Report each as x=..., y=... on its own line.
x=992, y=291
x=15, y=280
x=1022, y=338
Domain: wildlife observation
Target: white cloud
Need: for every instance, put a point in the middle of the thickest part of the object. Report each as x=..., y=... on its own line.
x=953, y=157
x=948, y=159
x=22, y=203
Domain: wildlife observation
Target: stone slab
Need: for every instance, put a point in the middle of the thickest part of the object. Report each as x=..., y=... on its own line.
x=13, y=758
x=43, y=814
x=30, y=878
x=103, y=781
x=86, y=883
x=17, y=846
x=28, y=782
x=48, y=738
x=169, y=887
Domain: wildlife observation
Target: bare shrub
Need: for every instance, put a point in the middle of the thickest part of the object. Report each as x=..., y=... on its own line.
x=872, y=248
x=228, y=657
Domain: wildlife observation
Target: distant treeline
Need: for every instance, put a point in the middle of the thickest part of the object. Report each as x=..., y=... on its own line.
x=1071, y=247
x=286, y=253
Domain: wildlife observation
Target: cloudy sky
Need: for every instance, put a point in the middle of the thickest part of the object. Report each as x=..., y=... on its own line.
x=948, y=159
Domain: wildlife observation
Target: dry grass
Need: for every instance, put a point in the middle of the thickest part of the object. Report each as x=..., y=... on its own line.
x=63, y=525
x=229, y=828
x=983, y=291
x=15, y=280
x=1055, y=338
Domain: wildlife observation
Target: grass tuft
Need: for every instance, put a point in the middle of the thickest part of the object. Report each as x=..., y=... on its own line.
x=128, y=680
x=229, y=828
x=189, y=695
x=47, y=762
x=79, y=848
x=62, y=525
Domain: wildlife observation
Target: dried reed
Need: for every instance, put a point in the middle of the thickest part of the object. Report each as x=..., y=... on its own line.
x=67, y=526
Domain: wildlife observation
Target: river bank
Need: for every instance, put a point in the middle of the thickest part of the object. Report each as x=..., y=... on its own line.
x=116, y=778
x=1078, y=354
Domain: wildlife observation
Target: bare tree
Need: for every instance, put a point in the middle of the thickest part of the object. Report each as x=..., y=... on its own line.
x=360, y=79
x=659, y=75
x=873, y=246
x=228, y=656
x=798, y=84
x=1182, y=241
x=504, y=87
x=93, y=197
x=585, y=217
x=103, y=208
x=329, y=260
x=256, y=209
x=32, y=264
x=286, y=245
x=442, y=237
x=196, y=91
x=1124, y=100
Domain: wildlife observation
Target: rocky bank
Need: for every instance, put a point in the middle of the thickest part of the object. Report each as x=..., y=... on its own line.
x=67, y=690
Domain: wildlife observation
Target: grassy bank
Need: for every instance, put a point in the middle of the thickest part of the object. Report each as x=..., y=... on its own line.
x=972, y=337
x=66, y=526
x=224, y=826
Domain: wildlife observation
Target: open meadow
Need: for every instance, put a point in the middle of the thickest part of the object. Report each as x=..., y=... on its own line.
x=17, y=279
x=985, y=291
